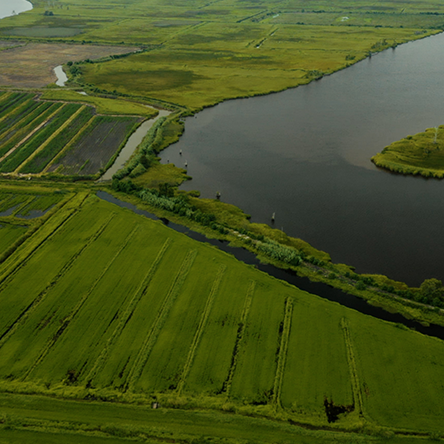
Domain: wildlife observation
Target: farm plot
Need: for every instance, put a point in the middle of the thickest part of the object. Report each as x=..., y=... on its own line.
x=98, y=143
x=44, y=156
x=69, y=138
x=25, y=150
x=132, y=310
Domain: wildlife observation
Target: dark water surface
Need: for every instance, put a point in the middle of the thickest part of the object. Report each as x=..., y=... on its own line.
x=305, y=155
x=318, y=288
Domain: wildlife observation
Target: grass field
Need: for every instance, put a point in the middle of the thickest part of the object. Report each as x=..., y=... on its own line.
x=421, y=154
x=125, y=314
x=198, y=54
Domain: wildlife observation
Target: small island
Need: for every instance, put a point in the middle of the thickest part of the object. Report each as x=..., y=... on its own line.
x=421, y=154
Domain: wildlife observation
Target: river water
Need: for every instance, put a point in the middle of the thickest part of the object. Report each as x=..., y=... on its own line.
x=305, y=154
x=12, y=7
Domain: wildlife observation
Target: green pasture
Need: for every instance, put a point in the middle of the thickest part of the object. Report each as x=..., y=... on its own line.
x=131, y=311
x=421, y=154
x=102, y=105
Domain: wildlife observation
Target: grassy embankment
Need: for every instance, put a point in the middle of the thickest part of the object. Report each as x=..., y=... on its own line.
x=421, y=154
x=226, y=349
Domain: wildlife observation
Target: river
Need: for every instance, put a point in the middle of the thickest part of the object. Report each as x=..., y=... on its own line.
x=305, y=154
x=13, y=7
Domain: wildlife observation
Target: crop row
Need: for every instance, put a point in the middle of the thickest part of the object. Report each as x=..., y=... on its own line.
x=43, y=157
x=97, y=144
x=24, y=129
x=23, y=152
x=11, y=101
x=17, y=114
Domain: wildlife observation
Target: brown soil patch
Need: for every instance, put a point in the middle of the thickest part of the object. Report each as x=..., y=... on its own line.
x=31, y=66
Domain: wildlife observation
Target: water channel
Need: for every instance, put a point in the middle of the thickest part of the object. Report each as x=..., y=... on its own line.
x=305, y=154
x=317, y=288
x=13, y=7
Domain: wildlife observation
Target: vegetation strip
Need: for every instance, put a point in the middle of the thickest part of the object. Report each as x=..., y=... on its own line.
x=77, y=308
x=48, y=230
x=282, y=353
x=49, y=139
x=123, y=320
x=200, y=328
x=239, y=338
x=68, y=265
x=356, y=387
x=30, y=134
x=167, y=303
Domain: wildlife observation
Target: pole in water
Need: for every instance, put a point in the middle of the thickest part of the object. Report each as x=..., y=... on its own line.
x=272, y=217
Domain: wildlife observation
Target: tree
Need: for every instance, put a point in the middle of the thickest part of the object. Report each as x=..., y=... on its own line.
x=432, y=288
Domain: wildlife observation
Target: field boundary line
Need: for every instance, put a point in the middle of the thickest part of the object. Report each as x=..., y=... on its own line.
x=69, y=144
x=139, y=293
x=282, y=354
x=239, y=338
x=19, y=144
x=49, y=139
x=23, y=316
x=356, y=391
x=40, y=236
x=200, y=329
x=66, y=322
x=148, y=344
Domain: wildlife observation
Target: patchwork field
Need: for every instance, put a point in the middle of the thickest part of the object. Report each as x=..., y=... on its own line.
x=131, y=311
x=68, y=138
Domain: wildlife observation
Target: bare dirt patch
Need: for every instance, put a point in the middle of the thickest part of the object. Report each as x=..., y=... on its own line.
x=31, y=66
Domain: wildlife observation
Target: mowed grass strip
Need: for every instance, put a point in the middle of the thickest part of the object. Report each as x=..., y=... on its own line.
x=254, y=377
x=215, y=355
x=400, y=374
x=166, y=365
x=315, y=342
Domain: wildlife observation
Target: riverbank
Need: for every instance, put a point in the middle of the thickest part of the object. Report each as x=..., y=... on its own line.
x=218, y=220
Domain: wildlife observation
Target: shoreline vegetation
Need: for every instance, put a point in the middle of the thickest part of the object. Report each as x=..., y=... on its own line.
x=419, y=155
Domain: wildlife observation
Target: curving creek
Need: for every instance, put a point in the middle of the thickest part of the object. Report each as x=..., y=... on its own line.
x=304, y=154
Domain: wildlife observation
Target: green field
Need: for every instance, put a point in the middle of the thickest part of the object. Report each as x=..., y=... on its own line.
x=105, y=314
x=421, y=154
x=126, y=315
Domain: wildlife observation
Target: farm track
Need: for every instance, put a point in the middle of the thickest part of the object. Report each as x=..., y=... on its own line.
x=24, y=315
x=200, y=328
x=150, y=340
x=282, y=354
x=226, y=388
x=44, y=233
x=66, y=322
x=356, y=390
x=127, y=314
